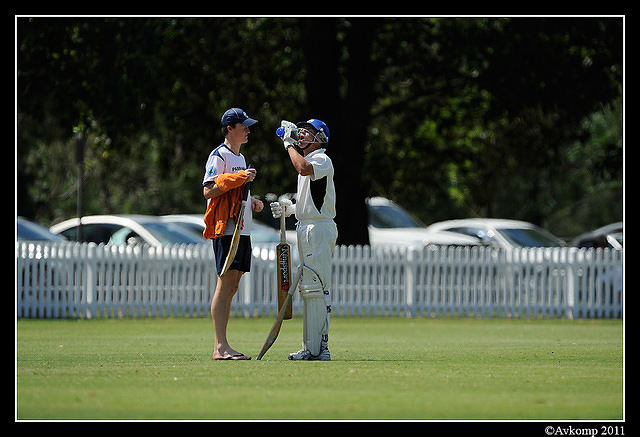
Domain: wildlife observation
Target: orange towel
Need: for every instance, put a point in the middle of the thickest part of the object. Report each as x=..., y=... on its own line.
x=227, y=205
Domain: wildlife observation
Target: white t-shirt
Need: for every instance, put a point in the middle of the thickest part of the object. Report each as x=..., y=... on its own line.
x=317, y=192
x=223, y=160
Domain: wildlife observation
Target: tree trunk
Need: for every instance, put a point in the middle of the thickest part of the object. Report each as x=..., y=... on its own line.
x=347, y=118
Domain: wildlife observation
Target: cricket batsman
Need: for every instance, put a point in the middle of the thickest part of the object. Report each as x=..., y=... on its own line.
x=315, y=209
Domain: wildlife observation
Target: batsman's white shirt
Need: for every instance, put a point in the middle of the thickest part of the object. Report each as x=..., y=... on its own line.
x=223, y=160
x=316, y=195
x=316, y=230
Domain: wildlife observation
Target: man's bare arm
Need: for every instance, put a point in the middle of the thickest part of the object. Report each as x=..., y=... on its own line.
x=211, y=190
x=302, y=166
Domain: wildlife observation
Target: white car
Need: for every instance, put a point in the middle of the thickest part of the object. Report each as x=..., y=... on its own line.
x=503, y=233
x=126, y=229
x=613, y=233
x=390, y=224
x=260, y=233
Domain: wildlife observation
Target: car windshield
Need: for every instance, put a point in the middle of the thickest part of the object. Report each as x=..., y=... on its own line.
x=260, y=233
x=30, y=231
x=170, y=233
x=192, y=228
x=388, y=216
x=530, y=238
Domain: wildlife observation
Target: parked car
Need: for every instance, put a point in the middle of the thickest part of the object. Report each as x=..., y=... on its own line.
x=389, y=224
x=32, y=232
x=28, y=230
x=613, y=233
x=126, y=229
x=503, y=233
x=260, y=233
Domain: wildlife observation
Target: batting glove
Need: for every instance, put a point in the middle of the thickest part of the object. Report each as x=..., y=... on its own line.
x=276, y=210
x=284, y=206
x=291, y=136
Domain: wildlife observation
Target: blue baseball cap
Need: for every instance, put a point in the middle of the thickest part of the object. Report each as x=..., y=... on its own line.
x=321, y=128
x=236, y=115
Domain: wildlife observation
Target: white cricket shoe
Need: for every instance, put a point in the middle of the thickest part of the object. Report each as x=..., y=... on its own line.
x=305, y=355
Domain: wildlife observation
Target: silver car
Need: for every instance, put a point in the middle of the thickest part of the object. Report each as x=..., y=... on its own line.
x=126, y=229
x=390, y=224
x=503, y=233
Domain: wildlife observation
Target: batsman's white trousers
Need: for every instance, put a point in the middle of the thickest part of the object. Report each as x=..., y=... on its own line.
x=316, y=241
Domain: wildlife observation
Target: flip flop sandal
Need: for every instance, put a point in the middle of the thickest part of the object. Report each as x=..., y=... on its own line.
x=235, y=357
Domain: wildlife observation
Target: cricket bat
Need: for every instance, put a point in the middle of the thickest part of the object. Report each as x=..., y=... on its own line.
x=275, y=329
x=283, y=266
x=235, y=240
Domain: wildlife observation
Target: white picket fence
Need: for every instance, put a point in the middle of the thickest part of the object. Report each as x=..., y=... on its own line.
x=71, y=280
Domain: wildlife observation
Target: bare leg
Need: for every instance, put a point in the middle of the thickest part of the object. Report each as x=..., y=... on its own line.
x=226, y=288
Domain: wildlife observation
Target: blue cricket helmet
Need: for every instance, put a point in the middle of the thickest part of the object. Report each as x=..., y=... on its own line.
x=323, y=131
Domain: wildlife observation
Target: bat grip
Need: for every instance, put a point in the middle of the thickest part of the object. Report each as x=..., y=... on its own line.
x=283, y=228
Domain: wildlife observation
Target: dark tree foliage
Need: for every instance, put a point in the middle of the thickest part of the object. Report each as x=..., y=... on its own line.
x=450, y=117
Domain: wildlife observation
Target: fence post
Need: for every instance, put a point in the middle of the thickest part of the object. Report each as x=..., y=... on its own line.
x=90, y=280
x=410, y=281
x=570, y=289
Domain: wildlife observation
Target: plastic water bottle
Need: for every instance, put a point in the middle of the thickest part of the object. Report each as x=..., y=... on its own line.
x=294, y=133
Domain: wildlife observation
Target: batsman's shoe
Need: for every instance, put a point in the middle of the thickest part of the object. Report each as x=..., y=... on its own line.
x=305, y=355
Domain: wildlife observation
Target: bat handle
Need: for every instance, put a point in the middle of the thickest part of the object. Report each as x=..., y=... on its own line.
x=246, y=186
x=283, y=227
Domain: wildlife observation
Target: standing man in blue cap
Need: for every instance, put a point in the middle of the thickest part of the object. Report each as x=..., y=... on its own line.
x=226, y=174
x=315, y=209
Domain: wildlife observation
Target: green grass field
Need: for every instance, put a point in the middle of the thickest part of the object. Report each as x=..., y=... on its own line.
x=382, y=368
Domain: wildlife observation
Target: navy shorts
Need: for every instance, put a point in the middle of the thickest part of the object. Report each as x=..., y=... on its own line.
x=241, y=262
